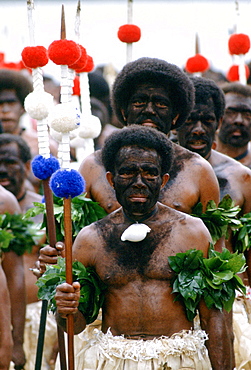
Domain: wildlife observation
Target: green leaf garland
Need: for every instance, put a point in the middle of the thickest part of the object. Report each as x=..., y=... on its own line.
x=91, y=293
x=17, y=233
x=242, y=236
x=214, y=279
x=219, y=219
x=84, y=211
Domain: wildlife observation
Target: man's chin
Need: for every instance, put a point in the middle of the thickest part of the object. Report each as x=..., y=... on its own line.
x=202, y=150
x=238, y=143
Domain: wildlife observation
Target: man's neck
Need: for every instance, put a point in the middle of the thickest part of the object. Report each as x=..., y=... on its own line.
x=21, y=196
x=140, y=218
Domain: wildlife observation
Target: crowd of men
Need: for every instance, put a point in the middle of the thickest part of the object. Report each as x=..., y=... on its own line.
x=149, y=186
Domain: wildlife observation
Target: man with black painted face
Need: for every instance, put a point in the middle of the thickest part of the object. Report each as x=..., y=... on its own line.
x=234, y=134
x=151, y=92
x=198, y=135
x=139, y=308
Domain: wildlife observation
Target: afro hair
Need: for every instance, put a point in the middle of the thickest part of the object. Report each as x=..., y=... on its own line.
x=16, y=80
x=206, y=89
x=142, y=137
x=237, y=88
x=24, y=149
x=159, y=72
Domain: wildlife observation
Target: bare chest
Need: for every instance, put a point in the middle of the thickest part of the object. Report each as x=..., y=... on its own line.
x=181, y=192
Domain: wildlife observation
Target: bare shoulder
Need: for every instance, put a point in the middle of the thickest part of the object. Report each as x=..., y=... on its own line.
x=97, y=187
x=197, y=234
x=8, y=202
x=190, y=159
x=188, y=232
x=221, y=162
x=184, y=220
x=91, y=162
x=87, y=245
x=218, y=158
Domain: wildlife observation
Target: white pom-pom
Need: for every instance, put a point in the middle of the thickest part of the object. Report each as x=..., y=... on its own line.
x=90, y=128
x=64, y=118
x=58, y=135
x=38, y=104
x=135, y=233
x=77, y=142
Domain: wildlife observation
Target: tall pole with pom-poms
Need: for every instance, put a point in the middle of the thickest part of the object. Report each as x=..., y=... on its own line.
x=129, y=33
x=66, y=183
x=38, y=104
x=238, y=46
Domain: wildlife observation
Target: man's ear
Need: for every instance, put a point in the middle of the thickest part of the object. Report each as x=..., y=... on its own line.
x=220, y=123
x=27, y=166
x=22, y=111
x=165, y=179
x=123, y=114
x=219, y=126
x=109, y=177
x=175, y=119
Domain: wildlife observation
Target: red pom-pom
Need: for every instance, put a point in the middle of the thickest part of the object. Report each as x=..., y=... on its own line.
x=64, y=52
x=35, y=56
x=233, y=73
x=81, y=62
x=76, y=86
x=195, y=64
x=238, y=43
x=2, y=56
x=129, y=33
x=88, y=67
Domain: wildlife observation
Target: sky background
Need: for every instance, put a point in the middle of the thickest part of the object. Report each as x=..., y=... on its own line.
x=168, y=29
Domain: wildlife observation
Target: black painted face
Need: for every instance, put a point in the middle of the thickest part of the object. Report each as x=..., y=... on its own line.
x=137, y=180
x=236, y=126
x=198, y=132
x=150, y=105
x=11, y=111
x=12, y=169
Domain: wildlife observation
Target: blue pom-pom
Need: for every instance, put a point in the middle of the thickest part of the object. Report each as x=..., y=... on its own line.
x=43, y=167
x=67, y=183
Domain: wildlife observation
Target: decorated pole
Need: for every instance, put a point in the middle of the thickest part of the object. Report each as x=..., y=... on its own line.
x=129, y=33
x=66, y=183
x=129, y=21
x=197, y=64
x=38, y=104
x=90, y=125
x=238, y=45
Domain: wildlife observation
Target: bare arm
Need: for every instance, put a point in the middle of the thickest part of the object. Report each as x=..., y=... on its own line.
x=209, y=186
x=219, y=344
x=14, y=272
x=6, y=342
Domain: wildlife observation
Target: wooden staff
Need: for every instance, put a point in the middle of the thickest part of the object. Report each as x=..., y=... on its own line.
x=69, y=280
x=51, y=228
x=68, y=238
x=52, y=241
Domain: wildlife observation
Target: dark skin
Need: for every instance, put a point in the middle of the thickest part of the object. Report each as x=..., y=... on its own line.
x=12, y=265
x=139, y=301
x=234, y=133
x=234, y=179
x=13, y=175
x=190, y=175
